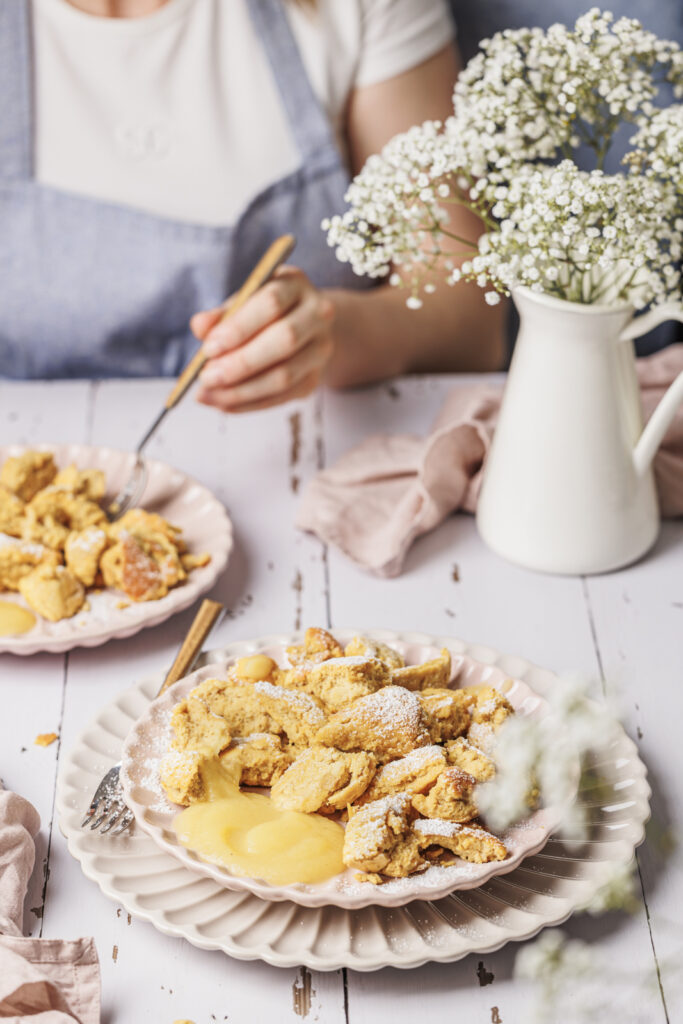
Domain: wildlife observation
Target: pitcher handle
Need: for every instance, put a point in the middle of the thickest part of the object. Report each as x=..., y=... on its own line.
x=658, y=424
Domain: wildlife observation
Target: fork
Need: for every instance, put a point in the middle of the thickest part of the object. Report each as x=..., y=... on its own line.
x=108, y=811
x=133, y=489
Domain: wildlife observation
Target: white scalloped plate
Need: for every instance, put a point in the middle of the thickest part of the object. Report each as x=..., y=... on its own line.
x=174, y=495
x=544, y=890
x=148, y=741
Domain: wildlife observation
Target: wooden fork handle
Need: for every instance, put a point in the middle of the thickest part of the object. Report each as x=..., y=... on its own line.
x=276, y=254
x=202, y=625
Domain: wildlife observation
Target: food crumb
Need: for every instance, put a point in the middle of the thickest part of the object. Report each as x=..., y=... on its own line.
x=183, y=1021
x=44, y=739
x=123, y=604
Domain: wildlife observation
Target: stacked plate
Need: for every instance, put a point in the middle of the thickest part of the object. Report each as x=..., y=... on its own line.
x=441, y=915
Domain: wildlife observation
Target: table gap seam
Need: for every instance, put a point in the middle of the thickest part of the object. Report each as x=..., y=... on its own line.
x=345, y=981
x=321, y=459
x=93, y=390
x=660, y=983
x=594, y=634
x=46, y=878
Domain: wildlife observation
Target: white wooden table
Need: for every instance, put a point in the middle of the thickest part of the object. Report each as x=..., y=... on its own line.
x=624, y=630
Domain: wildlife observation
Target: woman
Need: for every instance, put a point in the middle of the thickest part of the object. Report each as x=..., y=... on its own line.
x=150, y=150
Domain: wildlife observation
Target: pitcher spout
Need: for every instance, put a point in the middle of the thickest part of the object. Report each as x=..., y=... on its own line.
x=657, y=426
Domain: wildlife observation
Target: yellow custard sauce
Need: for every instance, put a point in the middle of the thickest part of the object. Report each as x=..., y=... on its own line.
x=246, y=834
x=14, y=619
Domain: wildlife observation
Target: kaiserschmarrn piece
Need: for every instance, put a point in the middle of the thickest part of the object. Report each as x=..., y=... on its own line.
x=53, y=592
x=82, y=552
x=141, y=522
x=196, y=727
x=18, y=560
x=435, y=673
x=338, y=682
x=260, y=758
x=388, y=724
x=335, y=733
x=462, y=754
x=488, y=714
x=318, y=645
x=127, y=567
x=27, y=474
x=297, y=714
x=471, y=843
x=369, y=648
x=54, y=513
x=451, y=797
x=379, y=838
x=11, y=512
x=180, y=774
x=414, y=773
x=323, y=779
x=448, y=712
x=238, y=703
x=89, y=483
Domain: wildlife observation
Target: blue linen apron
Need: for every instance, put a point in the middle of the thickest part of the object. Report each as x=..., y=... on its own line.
x=479, y=20
x=90, y=288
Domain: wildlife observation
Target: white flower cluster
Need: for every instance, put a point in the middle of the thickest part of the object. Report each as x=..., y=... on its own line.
x=521, y=107
x=584, y=236
x=531, y=95
x=396, y=204
x=658, y=148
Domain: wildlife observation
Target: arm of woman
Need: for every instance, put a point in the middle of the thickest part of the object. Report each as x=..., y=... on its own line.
x=375, y=335
x=290, y=335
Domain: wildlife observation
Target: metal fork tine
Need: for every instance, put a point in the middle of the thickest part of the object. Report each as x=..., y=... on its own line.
x=114, y=818
x=101, y=815
x=126, y=822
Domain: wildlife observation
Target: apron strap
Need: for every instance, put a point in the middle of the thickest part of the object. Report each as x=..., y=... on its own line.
x=307, y=120
x=16, y=143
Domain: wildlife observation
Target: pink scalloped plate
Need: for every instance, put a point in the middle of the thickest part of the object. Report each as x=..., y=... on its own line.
x=148, y=740
x=177, y=497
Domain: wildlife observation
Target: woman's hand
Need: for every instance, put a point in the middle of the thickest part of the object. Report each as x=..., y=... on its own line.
x=273, y=349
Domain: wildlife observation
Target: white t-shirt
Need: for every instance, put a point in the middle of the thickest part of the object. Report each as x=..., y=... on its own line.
x=177, y=113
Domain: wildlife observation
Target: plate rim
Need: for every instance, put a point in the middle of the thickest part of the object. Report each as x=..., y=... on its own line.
x=24, y=645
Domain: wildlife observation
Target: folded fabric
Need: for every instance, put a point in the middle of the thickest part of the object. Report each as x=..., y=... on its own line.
x=388, y=490
x=44, y=981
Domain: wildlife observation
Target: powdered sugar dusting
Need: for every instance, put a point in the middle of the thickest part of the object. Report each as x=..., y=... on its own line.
x=441, y=827
x=295, y=698
x=392, y=711
x=412, y=762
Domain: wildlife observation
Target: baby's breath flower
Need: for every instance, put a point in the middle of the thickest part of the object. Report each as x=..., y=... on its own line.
x=520, y=107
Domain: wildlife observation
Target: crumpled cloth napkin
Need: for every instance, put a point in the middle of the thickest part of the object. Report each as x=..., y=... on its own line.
x=388, y=490
x=42, y=981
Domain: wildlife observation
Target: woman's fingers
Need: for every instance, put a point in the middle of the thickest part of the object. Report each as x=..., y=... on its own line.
x=276, y=384
x=270, y=303
x=275, y=344
x=201, y=323
x=300, y=390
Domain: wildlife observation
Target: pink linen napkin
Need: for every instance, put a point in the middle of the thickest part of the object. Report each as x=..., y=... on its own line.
x=42, y=981
x=388, y=490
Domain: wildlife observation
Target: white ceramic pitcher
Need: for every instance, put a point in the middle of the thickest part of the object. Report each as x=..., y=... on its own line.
x=568, y=486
